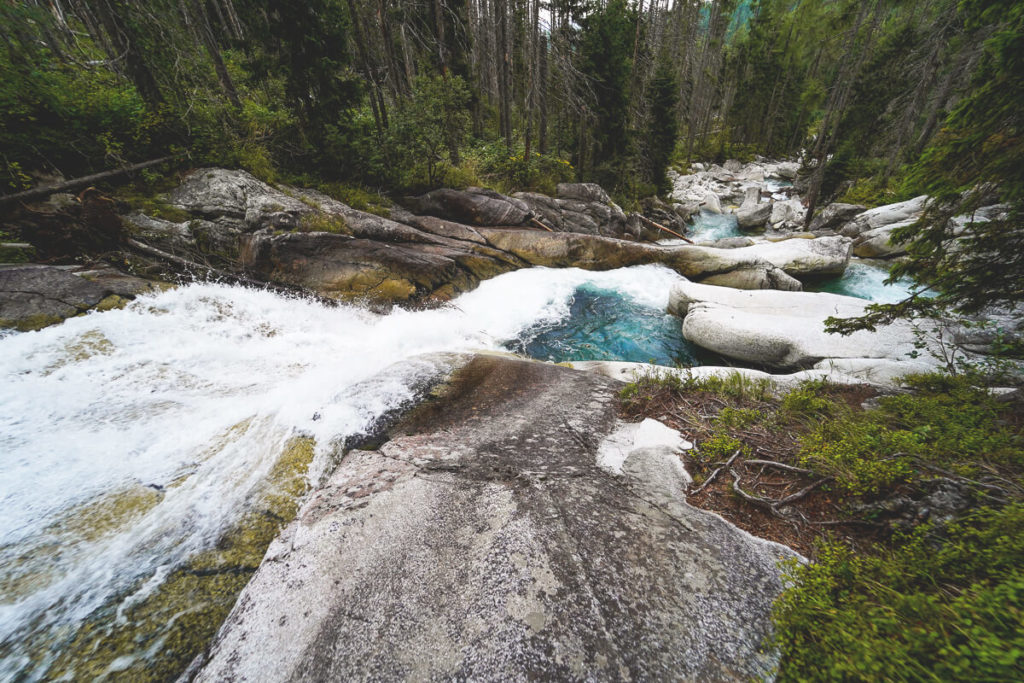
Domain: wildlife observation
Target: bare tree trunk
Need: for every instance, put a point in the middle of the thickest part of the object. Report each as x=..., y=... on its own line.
x=124, y=42
x=204, y=31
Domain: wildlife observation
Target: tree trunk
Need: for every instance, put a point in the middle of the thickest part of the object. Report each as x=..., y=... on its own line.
x=205, y=33
x=123, y=41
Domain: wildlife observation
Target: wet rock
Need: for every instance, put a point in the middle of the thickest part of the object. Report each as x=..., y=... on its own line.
x=584, y=192
x=786, y=330
x=820, y=257
x=834, y=215
x=877, y=243
x=474, y=207
x=34, y=296
x=885, y=215
x=484, y=541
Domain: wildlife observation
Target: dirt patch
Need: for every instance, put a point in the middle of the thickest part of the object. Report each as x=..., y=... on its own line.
x=760, y=486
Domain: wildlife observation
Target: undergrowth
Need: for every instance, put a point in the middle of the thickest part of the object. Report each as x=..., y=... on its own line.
x=945, y=604
x=888, y=596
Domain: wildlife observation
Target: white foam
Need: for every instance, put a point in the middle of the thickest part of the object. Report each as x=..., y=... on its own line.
x=202, y=387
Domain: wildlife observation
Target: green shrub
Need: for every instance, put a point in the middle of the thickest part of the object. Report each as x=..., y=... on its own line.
x=938, y=607
x=720, y=446
x=946, y=421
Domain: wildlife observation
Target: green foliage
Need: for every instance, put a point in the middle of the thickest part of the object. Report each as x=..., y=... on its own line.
x=946, y=421
x=946, y=604
x=323, y=222
x=720, y=446
x=735, y=385
x=427, y=131
x=664, y=126
x=508, y=171
x=807, y=400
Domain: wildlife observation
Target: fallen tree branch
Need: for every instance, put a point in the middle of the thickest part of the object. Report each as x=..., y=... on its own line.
x=801, y=493
x=659, y=226
x=538, y=223
x=83, y=181
x=779, y=465
x=715, y=473
x=757, y=500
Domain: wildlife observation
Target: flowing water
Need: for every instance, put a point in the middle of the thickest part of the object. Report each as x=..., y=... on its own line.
x=865, y=280
x=148, y=455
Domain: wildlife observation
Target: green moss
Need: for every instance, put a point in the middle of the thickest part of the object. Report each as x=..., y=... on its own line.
x=30, y=323
x=323, y=222
x=152, y=205
x=112, y=302
x=161, y=633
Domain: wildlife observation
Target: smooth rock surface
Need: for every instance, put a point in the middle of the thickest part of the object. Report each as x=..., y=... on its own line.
x=483, y=541
x=822, y=256
x=877, y=242
x=885, y=215
x=834, y=215
x=786, y=329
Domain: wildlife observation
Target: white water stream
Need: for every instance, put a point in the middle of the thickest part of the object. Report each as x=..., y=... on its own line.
x=194, y=393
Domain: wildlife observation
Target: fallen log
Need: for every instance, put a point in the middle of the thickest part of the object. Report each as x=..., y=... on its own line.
x=75, y=183
x=659, y=226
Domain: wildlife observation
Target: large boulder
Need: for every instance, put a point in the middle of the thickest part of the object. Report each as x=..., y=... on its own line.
x=834, y=215
x=819, y=257
x=787, y=211
x=753, y=218
x=885, y=215
x=786, y=330
x=474, y=206
x=877, y=242
x=237, y=198
x=511, y=530
x=34, y=296
x=784, y=169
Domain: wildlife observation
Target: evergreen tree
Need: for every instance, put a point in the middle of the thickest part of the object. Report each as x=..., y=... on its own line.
x=664, y=94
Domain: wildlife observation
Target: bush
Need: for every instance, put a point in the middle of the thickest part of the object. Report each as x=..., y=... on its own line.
x=944, y=605
x=947, y=421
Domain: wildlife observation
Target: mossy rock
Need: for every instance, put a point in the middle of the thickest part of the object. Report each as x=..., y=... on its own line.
x=157, y=636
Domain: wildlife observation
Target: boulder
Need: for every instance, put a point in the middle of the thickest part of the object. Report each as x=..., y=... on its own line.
x=820, y=257
x=785, y=169
x=474, y=207
x=885, y=215
x=34, y=296
x=512, y=529
x=236, y=197
x=584, y=192
x=834, y=215
x=786, y=329
x=789, y=211
x=733, y=166
x=712, y=203
x=753, y=218
x=732, y=243
x=876, y=243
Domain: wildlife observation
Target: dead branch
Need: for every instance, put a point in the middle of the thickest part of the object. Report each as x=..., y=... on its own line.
x=715, y=473
x=647, y=220
x=779, y=465
x=539, y=224
x=74, y=183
